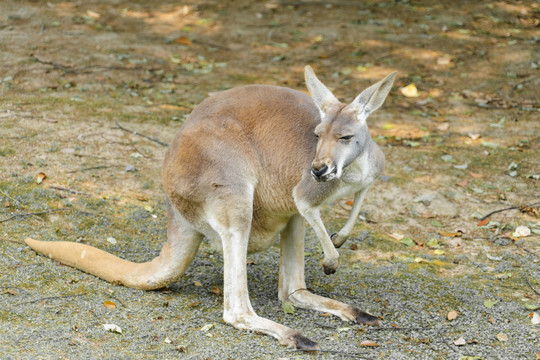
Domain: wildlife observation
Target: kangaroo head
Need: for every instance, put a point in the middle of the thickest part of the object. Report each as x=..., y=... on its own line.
x=342, y=133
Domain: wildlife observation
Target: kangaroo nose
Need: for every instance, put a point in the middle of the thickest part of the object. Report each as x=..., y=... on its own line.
x=318, y=172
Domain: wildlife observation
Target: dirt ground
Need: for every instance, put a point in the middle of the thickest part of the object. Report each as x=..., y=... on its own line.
x=74, y=76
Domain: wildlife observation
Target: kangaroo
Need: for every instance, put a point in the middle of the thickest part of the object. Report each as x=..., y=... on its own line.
x=249, y=164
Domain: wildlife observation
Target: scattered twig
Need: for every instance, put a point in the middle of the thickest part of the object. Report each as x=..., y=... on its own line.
x=92, y=168
x=528, y=282
x=139, y=134
x=67, y=69
x=325, y=326
x=508, y=208
x=32, y=214
x=68, y=190
x=50, y=298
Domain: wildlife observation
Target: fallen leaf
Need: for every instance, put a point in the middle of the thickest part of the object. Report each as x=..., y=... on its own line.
x=535, y=319
x=396, y=236
x=343, y=329
x=369, y=343
x=460, y=341
x=287, y=307
x=475, y=175
x=532, y=307
x=113, y=328
x=491, y=319
x=474, y=136
x=450, y=234
x=452, y=315
x=111, y=240
x=438, y=252
x=407, y=241
x=40, y=177
x=483, y=222
x=206, y=327
x=349, y=202
x=463, y=183
x=215, y=290
x=109, y=304
x=193, y=304
x=182, y=40
x=522, y=231
x=538, y=355
x=501, y=337
x=197, y=283
x=433, y=243
x=489, y=303
x=467, y=357
x=167, y=340
x=11, y=292
x=409, y=91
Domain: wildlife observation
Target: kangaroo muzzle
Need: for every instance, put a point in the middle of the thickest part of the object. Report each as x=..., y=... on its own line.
x=323, y=172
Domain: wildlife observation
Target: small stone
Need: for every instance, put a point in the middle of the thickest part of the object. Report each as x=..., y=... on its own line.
x=130, y=168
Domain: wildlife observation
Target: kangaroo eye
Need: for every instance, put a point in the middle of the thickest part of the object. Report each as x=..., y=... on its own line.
x=316, y=136
x=346, y=138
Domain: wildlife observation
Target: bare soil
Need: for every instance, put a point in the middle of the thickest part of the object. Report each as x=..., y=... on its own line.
x=73, y=73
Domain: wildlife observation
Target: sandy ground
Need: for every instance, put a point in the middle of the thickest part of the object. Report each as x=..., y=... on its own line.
x=466, y=145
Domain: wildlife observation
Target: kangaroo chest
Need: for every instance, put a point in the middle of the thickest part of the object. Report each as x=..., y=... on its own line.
x=359, y=175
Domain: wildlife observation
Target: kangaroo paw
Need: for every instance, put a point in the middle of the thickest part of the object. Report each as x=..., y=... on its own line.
x=362, y=317
x=305, y=344
x=338, y=240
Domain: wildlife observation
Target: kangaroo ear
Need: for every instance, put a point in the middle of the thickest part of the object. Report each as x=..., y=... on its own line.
x=373, y=97
x=319, y=93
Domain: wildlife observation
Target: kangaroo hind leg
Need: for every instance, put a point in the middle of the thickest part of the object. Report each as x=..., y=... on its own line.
x=292, y=285
x=230, y=216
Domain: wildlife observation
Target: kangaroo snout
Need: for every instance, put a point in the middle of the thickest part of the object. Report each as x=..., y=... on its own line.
x=322, y=172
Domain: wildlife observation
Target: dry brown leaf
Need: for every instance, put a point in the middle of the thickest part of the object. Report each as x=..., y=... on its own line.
x=40, y=177
x=475, y=175
x=483, y=222
x=182, y=40
x=215, y=290
x=109, y=304
x=463, y=183
x=11, y=292
x=452, y=315
x=193, y=304
x=538, y=355
x=369, y=343
x=349, y=202
x=449, y=234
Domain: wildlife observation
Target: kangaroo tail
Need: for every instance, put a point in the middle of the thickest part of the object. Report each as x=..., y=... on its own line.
x=175, y=257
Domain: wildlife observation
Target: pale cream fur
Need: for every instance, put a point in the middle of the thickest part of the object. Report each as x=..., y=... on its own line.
x=245, y=168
